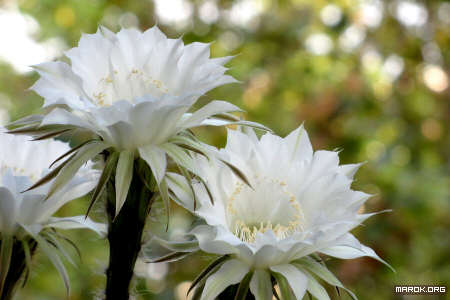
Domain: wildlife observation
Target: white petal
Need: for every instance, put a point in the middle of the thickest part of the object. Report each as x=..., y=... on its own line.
x=352, y=248
x=86, y=153
x=78, y=187
x=238, y=143
x=297, y=280
x=268, y=255
x=231, y=272
x=124, y=175
x=299, y=144
x=206, y=236
x=77, y=222
x=59, y=116
x=213, y=108
x=121, y=135
x=183, y=192
x=261, y=285
x=177, y=246
x=350, y=169
x=156, y=159
x=7, y=210
x=58, y=85
x=316, y=289
x=222, y=122
x=90, y=59
x=155, y=123
x=179, y=155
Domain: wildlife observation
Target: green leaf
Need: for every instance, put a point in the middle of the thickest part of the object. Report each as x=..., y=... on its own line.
x=6, y=248
x=242, y=291
x=110, y=166
x=124, y=174
x=210, y=269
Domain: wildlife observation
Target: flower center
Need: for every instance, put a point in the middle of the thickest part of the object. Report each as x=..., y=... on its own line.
x=18, y=171
x=129, y=86
x=268, y=206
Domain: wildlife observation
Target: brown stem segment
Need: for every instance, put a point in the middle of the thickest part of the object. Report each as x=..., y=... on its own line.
x=17, y=268
x=125, y=232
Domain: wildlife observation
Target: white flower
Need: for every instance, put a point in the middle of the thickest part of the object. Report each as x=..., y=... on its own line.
x=299, y=202
x=132, y=92
x=25, y=215
x=22, y=163
x=131, y=88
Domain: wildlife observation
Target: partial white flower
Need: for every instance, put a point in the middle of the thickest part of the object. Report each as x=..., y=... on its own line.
x=298, y=203
x=27, y=214
x=132, y=92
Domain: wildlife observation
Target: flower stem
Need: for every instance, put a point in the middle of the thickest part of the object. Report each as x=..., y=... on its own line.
x=125, y=233
x=230, y=293
x=17, y=268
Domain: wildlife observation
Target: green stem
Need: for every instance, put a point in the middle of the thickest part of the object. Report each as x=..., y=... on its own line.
x=230, y=293
x=17, y=268
x=125, y=233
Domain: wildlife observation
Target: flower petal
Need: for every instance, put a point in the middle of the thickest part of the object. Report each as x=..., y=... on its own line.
x=124, y=175
x=58, y=84
x=77, y=222
x=297, y=280
x=299, y=144
x=156, y=159
x=213, y=108
x=7, y=210
x=231, y=272
x=261, y=285
x=183, y=192
x=352, y=248
x=316, y=289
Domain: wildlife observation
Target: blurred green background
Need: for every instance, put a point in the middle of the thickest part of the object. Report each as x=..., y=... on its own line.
x=369, y=77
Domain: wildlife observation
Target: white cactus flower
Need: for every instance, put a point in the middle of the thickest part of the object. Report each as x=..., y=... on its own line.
x=132, y=92
x=27, y=214
x=299, y=203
